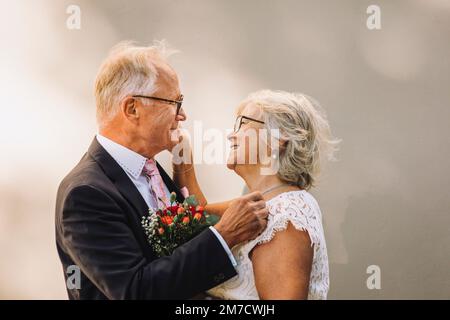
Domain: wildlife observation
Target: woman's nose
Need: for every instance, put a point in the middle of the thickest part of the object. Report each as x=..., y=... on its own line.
x=231, y=136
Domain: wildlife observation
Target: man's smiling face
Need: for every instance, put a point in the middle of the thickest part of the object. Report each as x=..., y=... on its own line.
x=159, y=123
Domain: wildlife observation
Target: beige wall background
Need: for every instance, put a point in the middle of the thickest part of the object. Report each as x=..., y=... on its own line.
x=385, y=202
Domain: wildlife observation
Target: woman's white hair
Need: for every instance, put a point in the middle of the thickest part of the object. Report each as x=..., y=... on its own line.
x=303, y=126
x=128, y=69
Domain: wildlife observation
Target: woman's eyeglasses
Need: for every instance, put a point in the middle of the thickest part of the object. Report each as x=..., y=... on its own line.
x=238, y=123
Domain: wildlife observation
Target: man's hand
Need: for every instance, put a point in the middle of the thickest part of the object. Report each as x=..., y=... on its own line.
x=245, y=219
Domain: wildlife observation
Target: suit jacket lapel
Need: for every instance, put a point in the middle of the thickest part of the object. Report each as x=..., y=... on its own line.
x=123, y=182
x=116, y=174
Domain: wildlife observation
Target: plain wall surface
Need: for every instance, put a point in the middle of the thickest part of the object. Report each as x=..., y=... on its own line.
x=385, y=201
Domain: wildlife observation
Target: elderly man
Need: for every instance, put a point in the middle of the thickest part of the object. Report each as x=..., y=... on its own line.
x=100, y=203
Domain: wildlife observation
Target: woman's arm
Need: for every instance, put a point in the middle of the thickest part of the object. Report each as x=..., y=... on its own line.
x=282, y=267
x=184, y=170
x=217, y=208
x=184, y=176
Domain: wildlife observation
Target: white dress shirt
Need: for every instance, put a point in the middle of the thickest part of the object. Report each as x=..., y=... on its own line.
x=133, y=163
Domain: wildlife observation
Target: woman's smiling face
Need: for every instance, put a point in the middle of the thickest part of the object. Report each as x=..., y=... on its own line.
x=244, y=141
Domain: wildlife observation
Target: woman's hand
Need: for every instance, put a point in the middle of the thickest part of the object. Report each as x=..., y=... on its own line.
x=183, y=167
x=182, y=159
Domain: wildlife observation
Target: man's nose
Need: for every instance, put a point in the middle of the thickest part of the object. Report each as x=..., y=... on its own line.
x=181, y=116
x=231, y=136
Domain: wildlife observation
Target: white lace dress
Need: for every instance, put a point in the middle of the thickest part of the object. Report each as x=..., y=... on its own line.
x=301, y=209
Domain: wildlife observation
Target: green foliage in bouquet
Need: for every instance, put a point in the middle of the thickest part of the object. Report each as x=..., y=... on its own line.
x=170, y=227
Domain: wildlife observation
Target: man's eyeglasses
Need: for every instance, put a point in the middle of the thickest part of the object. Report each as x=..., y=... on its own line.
x=238, y=123
x=178, y=102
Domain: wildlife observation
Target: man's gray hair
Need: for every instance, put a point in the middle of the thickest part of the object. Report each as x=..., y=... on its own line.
x=128, y=70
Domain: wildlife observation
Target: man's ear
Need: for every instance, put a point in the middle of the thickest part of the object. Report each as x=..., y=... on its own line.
x=129, y=107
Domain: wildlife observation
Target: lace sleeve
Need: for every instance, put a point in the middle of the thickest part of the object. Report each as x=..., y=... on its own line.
x=301, y=211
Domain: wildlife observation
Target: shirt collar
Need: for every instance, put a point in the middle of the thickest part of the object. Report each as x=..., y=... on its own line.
x=130, y=161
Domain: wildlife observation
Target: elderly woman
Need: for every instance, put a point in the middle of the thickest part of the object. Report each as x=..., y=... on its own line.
x=289, y=259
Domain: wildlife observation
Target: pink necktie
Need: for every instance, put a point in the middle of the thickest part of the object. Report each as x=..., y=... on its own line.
x=156, y=182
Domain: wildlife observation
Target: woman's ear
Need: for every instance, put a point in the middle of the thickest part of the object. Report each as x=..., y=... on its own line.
x=130, y=108
x=282, y=145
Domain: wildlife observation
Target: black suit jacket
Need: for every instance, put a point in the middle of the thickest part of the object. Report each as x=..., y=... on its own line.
x=98, y=229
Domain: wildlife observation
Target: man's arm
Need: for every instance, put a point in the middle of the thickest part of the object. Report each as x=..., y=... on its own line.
x=97, y=237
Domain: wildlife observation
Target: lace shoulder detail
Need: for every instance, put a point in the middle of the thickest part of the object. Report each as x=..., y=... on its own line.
x=297, y=207
x=301, y=209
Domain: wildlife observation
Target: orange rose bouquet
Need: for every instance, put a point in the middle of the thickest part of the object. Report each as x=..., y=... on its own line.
x=170, y=227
